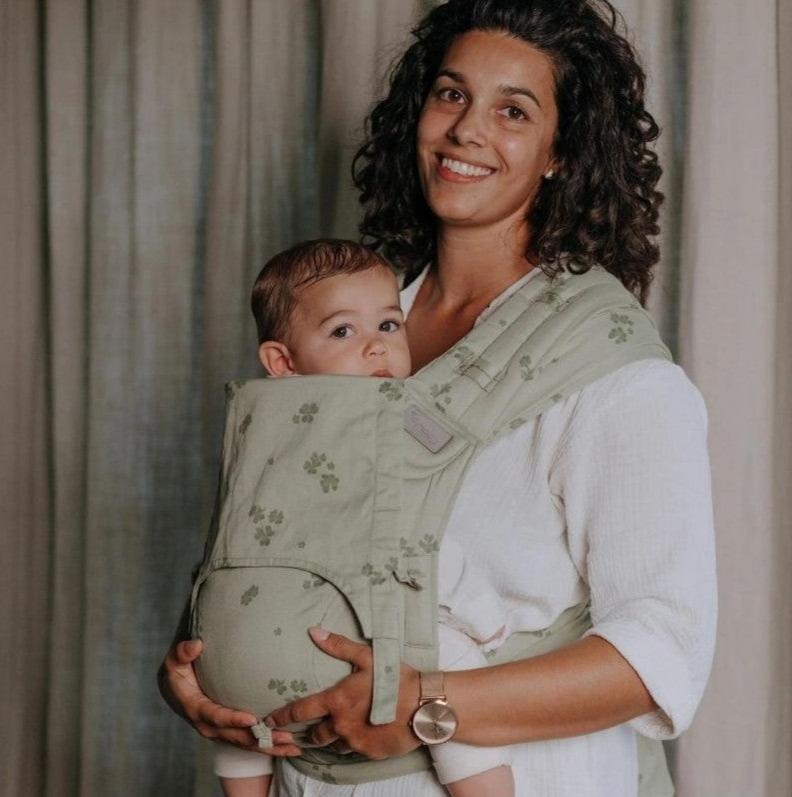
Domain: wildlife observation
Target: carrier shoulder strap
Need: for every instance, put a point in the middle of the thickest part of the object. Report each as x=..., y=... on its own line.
x=548, y=340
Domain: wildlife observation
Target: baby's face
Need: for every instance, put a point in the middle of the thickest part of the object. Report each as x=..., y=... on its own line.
x=350, y=324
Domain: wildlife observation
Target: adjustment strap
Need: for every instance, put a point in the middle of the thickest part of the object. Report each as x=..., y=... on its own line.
x=263, y=734
x=386, y=649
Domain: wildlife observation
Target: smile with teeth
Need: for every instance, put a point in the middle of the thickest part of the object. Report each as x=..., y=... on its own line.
x=465, y=169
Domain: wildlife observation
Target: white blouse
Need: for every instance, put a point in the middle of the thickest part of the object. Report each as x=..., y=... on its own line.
x=605, y=496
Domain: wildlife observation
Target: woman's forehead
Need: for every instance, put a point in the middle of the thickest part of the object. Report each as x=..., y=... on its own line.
x=497, y=61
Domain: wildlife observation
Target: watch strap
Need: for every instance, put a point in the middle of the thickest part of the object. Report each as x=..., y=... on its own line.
x=432, y=686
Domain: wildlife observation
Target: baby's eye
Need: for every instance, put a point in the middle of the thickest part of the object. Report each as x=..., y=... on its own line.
x=390, y=326
x=341, y=332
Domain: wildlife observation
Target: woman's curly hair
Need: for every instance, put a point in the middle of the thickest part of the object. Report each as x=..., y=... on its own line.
x=602, y=205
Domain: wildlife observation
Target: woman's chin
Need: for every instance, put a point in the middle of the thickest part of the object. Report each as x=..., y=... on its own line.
x=458, y=214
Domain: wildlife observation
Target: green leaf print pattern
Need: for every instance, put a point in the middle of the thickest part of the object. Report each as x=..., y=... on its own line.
x=391, y=390
x=623, y=329
x=464, y=354
x=248, y=595
x=266, y=522
x=442, y=394
x=526, y=368
x=318, y=462
x=375, y=576
x=277, y=685
x=246, y=421
x=429, y=543
x=306, y=413
x=291, y=691
x=406, y=549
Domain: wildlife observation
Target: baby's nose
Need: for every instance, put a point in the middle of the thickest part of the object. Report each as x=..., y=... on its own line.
x=376, y=346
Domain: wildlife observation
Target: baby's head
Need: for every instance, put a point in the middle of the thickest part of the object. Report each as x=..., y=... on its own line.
x=330, y=307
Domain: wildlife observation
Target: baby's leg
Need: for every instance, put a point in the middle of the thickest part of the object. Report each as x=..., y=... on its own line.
x=468, y=770
x=242, y=773
x=258, y=786
x=496, y=782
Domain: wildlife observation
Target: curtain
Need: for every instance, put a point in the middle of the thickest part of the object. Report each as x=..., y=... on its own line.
x=152, y=156
x=735, y=317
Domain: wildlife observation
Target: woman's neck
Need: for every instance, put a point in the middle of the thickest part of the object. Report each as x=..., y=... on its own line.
x=474, y=266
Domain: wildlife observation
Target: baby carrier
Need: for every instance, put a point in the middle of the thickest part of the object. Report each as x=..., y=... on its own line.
x=335, y=492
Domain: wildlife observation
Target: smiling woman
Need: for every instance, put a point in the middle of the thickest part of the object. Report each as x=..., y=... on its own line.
x=568, y=74
x=509, y=176
x=489, y=123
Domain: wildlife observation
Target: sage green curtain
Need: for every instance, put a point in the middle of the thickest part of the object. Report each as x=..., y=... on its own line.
x=152, y=155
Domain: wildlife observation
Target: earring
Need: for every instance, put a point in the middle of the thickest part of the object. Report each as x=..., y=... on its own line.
x=548, y=175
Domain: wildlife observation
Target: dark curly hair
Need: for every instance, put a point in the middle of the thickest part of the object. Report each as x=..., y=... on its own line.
x=602, y=205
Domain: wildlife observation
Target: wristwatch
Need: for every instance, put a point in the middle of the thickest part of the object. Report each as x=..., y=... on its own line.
x=434, y=721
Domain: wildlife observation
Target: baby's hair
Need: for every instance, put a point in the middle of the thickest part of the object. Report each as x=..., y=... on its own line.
x=273, y=298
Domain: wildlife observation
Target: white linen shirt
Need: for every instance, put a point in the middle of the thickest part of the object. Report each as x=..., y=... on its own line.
x=606, y=496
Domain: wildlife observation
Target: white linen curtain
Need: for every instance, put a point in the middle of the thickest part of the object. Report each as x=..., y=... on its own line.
x=152, y=155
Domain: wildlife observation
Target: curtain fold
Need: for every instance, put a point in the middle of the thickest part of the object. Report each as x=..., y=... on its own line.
x=65, y=42
x=152, y=157
x=357, y=48
x=25, y=417
x=728, y=323
x=658, y=32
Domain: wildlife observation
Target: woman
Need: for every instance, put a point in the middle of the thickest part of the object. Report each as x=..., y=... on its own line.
x=514, y=140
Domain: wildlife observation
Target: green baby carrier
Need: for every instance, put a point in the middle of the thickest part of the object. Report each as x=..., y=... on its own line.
x=335, y=492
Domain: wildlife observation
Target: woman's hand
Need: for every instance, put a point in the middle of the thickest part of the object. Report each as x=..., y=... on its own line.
x=179, y=687
x=344, y=708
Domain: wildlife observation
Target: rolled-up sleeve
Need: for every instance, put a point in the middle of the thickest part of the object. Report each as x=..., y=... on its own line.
x=633, y=475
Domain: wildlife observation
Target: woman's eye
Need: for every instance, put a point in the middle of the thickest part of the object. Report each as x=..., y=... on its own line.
x=390, y=326
x=340, y=332
x=514, y=113
x=451, y=95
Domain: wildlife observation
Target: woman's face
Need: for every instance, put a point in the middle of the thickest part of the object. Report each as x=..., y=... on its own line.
x=486, y=131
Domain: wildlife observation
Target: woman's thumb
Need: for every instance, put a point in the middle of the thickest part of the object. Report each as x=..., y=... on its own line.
x=340, y=647
x=188, y=650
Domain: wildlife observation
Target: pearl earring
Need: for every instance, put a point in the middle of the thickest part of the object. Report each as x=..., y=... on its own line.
x=549, y=174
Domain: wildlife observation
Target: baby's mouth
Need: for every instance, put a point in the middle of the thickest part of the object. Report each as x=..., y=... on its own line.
x=383, y=372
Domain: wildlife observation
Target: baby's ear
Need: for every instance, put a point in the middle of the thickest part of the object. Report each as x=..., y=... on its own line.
x=275, y=357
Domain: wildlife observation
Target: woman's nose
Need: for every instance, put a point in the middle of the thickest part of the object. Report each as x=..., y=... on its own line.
x=469, y=127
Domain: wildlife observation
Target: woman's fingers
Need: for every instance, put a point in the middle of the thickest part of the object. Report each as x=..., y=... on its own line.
x=340, y=647
x=181, y=690
x=317, y=706
x=323, y=734
x=188, y=651
x=283, y=745
x=208, y=712
x=309, y=708
x=179, y=686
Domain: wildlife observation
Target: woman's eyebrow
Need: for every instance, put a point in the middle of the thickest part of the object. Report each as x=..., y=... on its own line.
x=456, y=76
x=510, y=91
x=506, y=91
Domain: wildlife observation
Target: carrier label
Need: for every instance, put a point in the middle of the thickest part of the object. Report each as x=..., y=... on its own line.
x=425, y=429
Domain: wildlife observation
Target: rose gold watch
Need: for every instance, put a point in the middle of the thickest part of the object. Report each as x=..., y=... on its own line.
x=434, y=721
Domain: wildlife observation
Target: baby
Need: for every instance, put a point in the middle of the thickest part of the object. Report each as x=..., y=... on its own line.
x=332, y=307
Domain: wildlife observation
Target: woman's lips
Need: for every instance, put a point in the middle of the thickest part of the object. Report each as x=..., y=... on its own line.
x=456, y=171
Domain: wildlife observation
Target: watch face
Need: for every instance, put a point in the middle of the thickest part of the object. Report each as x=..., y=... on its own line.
x=434, y=722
